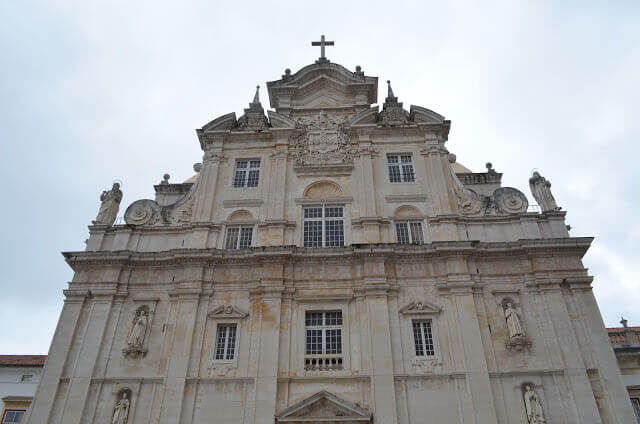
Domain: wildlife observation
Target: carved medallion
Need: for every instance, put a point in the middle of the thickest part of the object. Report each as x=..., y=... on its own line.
x=141, y=212
x=511, y=200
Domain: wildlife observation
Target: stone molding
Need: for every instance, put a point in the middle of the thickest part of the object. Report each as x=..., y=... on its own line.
x=402, y=198
x=323, y=170
x=227, y=312
x=242, y=203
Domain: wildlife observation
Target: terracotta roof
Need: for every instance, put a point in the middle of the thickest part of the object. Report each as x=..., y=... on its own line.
x=22, y=360
x=621, y=329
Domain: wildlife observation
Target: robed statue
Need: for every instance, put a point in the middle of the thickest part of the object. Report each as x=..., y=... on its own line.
x=138, y=330
x=541, y=190
x=513, y=322
x=533, y=406
x=110, y=204
x=121, y=410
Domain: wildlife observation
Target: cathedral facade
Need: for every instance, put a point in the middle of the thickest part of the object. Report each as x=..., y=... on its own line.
x=331, y=262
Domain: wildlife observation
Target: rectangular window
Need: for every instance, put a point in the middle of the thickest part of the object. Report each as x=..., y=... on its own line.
x=12, y=416
x=635, y=402
x=226, y=342
x=26, y=377
x=401, y=168
x=238, y=237
x=423, y=338
x=323, y=335
x=247, y=173
x=409, y=232
x=323, y=226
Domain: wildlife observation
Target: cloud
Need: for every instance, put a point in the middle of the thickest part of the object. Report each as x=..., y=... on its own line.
x=91, y=92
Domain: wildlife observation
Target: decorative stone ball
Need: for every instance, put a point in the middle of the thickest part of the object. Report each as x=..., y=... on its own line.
x=166, y=177
x=287, y=71
x=489, y=165
x=358, y=68
x=452, y=158
x=197, y=167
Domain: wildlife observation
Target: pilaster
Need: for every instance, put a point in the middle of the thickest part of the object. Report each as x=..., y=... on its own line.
x=206, y=190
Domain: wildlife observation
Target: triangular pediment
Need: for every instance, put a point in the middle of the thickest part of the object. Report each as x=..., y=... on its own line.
x=324, y=407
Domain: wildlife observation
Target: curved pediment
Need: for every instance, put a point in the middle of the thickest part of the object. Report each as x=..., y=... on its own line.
x=365, y=117
x=322, y=85
x=221, y=123
x=422, y=115
x=277, y=120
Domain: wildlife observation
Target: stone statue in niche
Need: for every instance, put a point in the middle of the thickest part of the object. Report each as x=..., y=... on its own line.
x=110, y=204
x=517, y=337
x=121, y=409
x=533, y=406
x=541, y=190
x=135, y=339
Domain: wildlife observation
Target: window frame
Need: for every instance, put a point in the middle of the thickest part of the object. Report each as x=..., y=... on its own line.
x=408, y=222
x=247, y=170
x=635, y=405
x=240, y=227
x=425, y=343
x=324, y=329
x=323, y=219
x=225, y=352
x=4, y=415
x=401, y=170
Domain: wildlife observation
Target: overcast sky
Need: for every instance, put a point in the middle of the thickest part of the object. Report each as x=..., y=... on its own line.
x=96, y=91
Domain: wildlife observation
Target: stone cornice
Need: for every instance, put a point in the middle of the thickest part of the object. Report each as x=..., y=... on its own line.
x=576, y=246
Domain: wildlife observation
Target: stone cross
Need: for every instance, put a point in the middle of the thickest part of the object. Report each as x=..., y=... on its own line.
x=322, y=43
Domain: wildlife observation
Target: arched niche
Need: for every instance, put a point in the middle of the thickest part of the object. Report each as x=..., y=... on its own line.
x=407, y=211
x=241, y=215
x=323, y=190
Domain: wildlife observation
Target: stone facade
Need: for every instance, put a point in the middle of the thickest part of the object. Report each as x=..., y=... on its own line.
x=330, y=263
x=625, y=341
x=19, y=377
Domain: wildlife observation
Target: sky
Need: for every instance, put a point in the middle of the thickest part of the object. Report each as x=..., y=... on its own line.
x=92, y=92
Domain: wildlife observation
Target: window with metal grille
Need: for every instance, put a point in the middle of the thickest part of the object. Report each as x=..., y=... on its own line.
x=323, y=226
x=401, y=168
x=238, y=237
x=12, y=416
x=247, y=173
x=323, y=349
x=423, y=338
x=635, y=402
x=226, y=342
x=409, y=232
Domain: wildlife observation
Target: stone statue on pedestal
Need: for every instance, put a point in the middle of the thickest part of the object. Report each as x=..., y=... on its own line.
x=541, y=190
x=121, y=410
x=138, y=330
x=110, y=204
x=533, y=406
x=513, y=322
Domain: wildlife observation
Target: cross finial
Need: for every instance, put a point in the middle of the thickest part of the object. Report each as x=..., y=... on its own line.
x=322, y=43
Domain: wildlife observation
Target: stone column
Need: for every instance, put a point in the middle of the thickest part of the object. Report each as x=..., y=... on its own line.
x=470, y=354
x=369, y=215
x=67, y=327
x=207, y=180
x=376, y=290
x=576, y=376
x=266, y=314
x=186, y=297
x=609, y=371
x=275, y=223
x=439, y=181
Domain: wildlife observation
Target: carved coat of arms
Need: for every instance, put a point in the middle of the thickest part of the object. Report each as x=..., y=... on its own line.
x=323, y=141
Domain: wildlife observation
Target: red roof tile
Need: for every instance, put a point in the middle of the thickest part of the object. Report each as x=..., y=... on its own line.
x=22, y=360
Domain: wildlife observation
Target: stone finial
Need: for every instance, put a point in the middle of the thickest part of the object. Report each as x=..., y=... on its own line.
x=452, y=158
x=390, y=96
x=624, y=322
x=358, y=68
x=256, y=97
x=165, y=179
x=197, y=167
